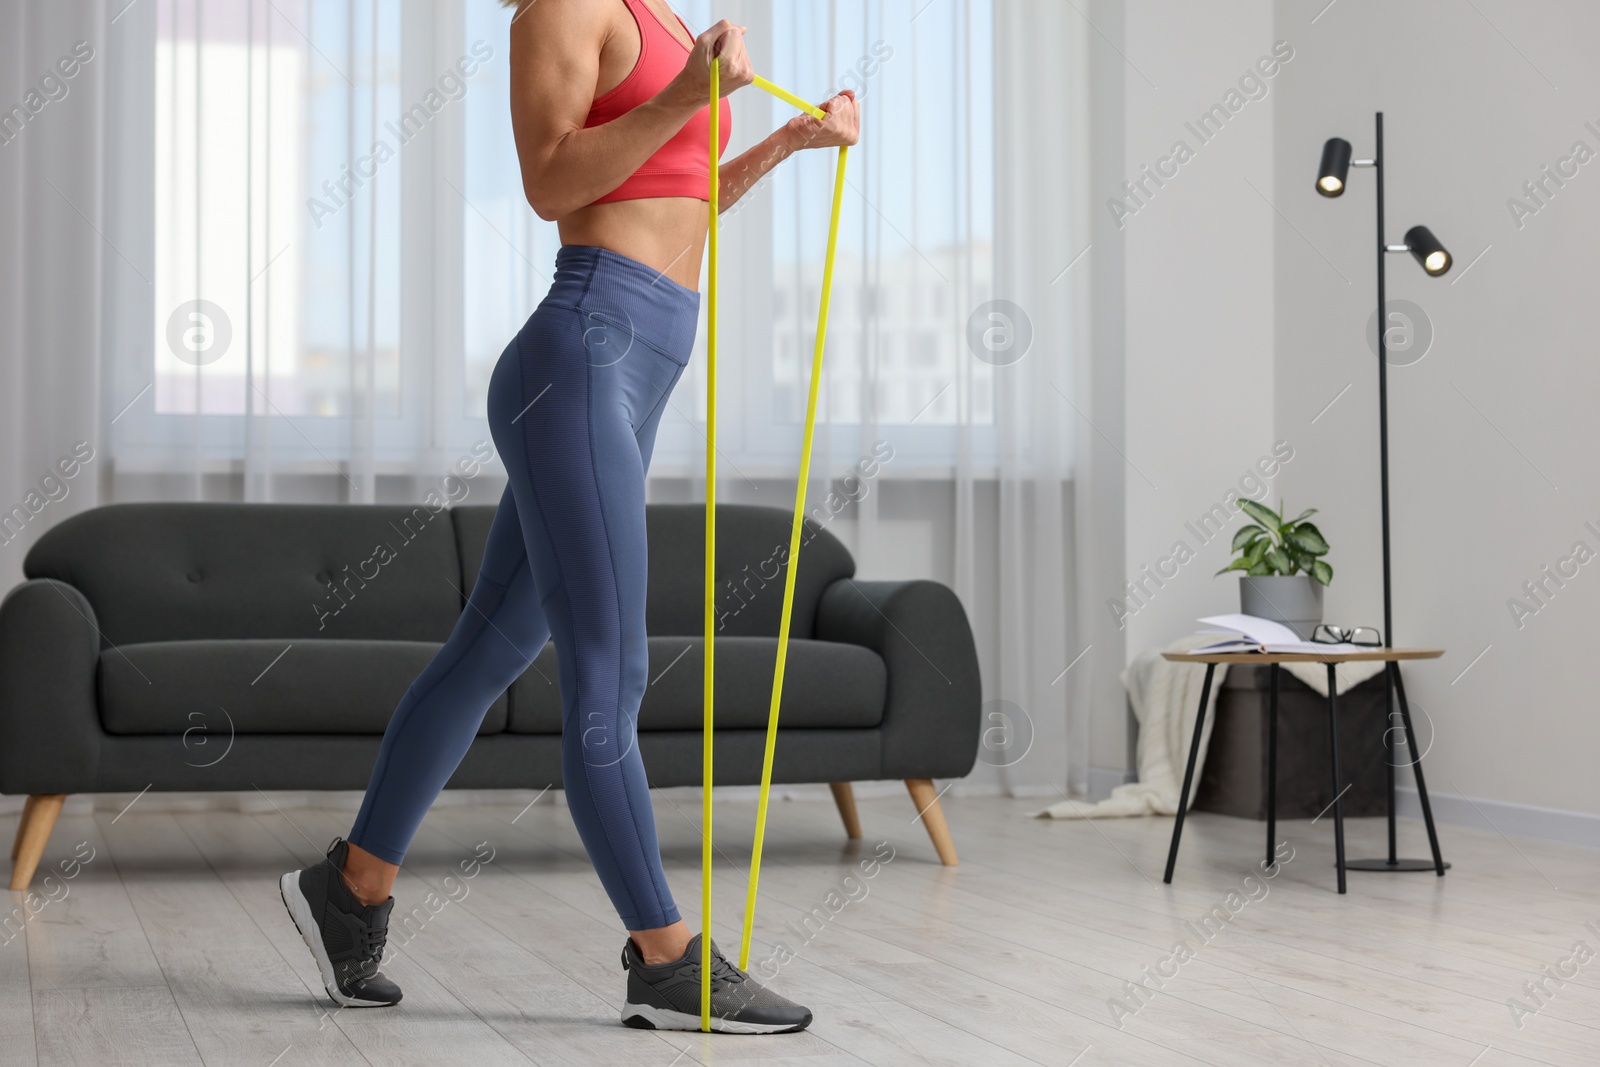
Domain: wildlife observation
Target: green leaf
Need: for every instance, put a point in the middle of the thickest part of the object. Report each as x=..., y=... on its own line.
x=1307, y=538
x=1321, y=571
x=1303, y=516
x=1261, y=513
x=1246, y=536
x=1259, y=570
x=1257, y=551
x=1279, y=561
x=1236, y=565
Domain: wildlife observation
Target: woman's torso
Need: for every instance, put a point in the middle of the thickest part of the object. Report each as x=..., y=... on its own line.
x=664, y=232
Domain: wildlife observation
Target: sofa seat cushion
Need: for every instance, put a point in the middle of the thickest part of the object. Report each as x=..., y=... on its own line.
x=826, y=685
x=222, y=688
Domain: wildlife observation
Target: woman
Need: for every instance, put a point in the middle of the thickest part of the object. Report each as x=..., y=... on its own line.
x=609, y=106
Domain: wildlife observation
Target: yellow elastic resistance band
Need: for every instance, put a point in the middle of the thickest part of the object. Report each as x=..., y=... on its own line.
x=707, y=727
x=789, y=98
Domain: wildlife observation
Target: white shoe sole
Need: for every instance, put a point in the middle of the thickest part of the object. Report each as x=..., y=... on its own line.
x=300, y=912
x=667, y=1019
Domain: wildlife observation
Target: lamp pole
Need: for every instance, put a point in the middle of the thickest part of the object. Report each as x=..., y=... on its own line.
x=1392, y=750
x=1435, y=261
x=1383, y=424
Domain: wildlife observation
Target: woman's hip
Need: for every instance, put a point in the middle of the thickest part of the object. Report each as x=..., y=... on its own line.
x=610, y=329
x=617, y=303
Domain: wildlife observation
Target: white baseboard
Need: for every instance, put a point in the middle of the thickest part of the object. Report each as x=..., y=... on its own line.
x=255, y=802
x=1513, y=820
x=817, y=791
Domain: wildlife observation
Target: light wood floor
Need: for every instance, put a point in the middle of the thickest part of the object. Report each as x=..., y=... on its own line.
x=171, y=946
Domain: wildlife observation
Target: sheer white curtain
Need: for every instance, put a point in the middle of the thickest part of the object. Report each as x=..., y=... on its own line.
x=954, y=335
x=295, y=194
x=1041, y=266
x=55, y=266
x=232, y=252
x=269, y=250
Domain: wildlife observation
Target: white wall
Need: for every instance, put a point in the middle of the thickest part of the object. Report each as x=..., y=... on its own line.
x=1199, y=359
x=1234, y=301
x=1493, y=432
x=1098, y=465
x=1195, y=351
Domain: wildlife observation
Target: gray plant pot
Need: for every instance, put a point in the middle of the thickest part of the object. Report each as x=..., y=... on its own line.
x=1295, y=601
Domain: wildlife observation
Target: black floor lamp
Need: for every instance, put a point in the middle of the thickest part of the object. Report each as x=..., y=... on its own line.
x=1422, y=244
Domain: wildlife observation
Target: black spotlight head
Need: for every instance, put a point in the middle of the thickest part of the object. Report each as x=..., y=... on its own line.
x=1335, y=165
x=1429, y=252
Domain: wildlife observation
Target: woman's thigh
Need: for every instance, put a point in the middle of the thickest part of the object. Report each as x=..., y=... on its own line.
x=567, y=404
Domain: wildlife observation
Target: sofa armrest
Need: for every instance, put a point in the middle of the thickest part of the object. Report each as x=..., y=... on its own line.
x=934, y=709
x=50, y=728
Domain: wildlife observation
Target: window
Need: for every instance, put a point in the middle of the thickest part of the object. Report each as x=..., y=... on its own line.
x=915, y=246
x=339, y=237
x=276, y=216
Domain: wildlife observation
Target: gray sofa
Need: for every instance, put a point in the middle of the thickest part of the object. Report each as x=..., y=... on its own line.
x=181, y=646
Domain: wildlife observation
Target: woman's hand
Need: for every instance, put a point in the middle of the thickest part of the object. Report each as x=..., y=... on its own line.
x=724, y=41
x=841, y=128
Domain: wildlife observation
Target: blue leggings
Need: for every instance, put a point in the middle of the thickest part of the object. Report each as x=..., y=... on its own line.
x=574, y=402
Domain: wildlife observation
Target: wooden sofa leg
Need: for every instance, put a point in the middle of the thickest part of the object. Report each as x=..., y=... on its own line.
x=927, y=800
x=38, y=819
x=845, y=798
x=27, y=807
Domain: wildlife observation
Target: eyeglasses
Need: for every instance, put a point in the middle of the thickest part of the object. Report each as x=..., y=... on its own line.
x=1367, y=636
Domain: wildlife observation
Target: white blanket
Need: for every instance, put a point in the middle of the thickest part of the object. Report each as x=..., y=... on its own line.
x=1165, y=696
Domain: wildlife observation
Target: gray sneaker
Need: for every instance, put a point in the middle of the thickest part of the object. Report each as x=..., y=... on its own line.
x=345, y=936
x=667, y=996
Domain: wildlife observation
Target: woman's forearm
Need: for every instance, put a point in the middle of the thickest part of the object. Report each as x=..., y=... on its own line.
x=740, y=174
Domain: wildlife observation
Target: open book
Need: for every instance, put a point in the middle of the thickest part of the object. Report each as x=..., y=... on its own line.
x=1248, y=633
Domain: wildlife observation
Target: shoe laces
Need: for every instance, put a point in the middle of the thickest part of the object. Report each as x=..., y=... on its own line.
x=370, y=941
x=723, y=972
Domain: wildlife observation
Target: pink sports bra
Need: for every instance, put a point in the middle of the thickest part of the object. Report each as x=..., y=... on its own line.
x=680, y=167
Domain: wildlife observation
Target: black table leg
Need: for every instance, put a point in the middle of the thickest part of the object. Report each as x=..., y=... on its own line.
x=1188, y=773
x=1272, y=765
x=1333, y=740
x=1416, y=769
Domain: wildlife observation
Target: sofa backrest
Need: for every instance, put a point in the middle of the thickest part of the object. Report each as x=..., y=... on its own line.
x=182, y=571
x=186, y=571
x=752, y=549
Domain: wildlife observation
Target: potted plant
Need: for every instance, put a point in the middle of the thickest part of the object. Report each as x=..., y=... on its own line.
x=1284, y=572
